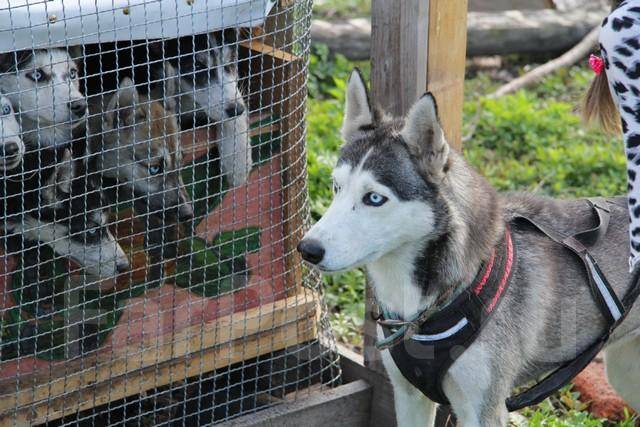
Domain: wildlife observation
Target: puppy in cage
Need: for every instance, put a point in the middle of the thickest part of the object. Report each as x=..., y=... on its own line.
x=43, y=87
x=134, y=146
x=11, y=145
x=209, y=93
x=68, y=213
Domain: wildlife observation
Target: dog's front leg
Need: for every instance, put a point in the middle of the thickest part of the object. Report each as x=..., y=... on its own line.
x=412, y=407
x=476, y=393
x=235, y=149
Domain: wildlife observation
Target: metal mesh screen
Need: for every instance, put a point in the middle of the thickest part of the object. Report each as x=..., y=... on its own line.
x=153, y=175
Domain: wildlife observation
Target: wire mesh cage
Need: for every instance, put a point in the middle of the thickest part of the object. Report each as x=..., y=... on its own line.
x=152, y=171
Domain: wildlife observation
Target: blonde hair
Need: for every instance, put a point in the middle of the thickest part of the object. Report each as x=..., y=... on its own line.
x=599, y=107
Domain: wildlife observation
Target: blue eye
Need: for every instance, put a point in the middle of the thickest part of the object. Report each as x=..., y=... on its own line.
x=73, y=73
x=155, y=169
x=36, y=75
x=374, y=199
x=6, y=109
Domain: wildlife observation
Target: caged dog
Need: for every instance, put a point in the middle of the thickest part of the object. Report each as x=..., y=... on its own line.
x=68, y=213
x=197, y=75
x=43, y=87
x=11, y=145
x=135, y=147
x=209, y=93
x=479, y=292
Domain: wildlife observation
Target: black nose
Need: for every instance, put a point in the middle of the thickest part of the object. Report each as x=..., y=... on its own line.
x=311, y=251
x=9, y=149
x=122, y=266
x=78, y=107
x=233, y=109
x=185, y=212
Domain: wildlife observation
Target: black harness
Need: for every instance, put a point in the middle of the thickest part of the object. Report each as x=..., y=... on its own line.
x=425, y=347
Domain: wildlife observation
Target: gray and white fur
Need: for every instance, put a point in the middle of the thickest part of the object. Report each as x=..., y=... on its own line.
x=72, y=218
x=421, y=221
x=208, y=91
x=43, y=88
x=11, y=145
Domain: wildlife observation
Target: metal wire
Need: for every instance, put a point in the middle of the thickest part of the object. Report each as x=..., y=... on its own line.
x=153, y=187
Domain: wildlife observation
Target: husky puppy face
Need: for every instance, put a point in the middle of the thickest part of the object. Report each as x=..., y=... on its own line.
x=208, y=80
x=386, y=193
x=72, y=220
x=11, y=144
x=139, y=148
x=43, y=86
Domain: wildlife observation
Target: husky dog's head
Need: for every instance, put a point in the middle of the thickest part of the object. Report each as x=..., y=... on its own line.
x=402, y=198
x=43, y=86
x=72, y=220
x=208, y=80
x=11, y=145
x=139, y=148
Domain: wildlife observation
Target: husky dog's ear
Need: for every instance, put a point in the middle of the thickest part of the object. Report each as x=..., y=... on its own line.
x=122, y=106
x=75, y=52
x=357, y=109
x=168, y=86
x=424, y=135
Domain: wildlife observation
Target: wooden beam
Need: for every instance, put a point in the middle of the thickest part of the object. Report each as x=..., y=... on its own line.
x=446, y=61
x=416, y=45
x=399, y=48
x=347, y=405
x=136, y=368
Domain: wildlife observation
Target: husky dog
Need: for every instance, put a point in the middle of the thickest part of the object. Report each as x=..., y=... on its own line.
x=422, y=223
x=208, y=92
x=43, y=87
x=11, y=144
x=70, y=217
x=137, y=152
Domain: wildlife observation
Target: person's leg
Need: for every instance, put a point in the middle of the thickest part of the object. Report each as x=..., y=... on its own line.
x=620, y=49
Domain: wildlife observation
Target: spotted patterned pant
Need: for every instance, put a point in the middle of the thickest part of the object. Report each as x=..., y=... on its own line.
x=620, y=49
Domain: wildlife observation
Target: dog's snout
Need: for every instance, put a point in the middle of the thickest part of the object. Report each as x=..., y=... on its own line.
x=9, y=149
x=185, y=212
x=78, y=107
x=234, y=109
x=122, y=265
x=311, y=250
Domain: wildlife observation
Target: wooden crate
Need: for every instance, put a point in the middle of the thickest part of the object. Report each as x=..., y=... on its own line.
x=165, y=333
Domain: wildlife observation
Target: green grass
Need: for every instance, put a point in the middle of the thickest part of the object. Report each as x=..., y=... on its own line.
x=341, y=9
x=532, y=140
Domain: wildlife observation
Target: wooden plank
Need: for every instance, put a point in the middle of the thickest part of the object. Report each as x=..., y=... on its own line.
x=446, y=62
x=225, y=341
x=347, y=405
x=260, y=47
x=166, y=373
x=383, y=413
x=399, y=51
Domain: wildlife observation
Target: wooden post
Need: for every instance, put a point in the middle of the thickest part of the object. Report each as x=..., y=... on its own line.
x=416, y=45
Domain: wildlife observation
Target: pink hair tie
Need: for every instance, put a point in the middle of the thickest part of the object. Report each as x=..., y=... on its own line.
x=596, y=63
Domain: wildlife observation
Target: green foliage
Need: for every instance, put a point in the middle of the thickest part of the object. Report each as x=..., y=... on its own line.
x=213, y=269
x=565, y=410
x=341, y=8
x=530, y=141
